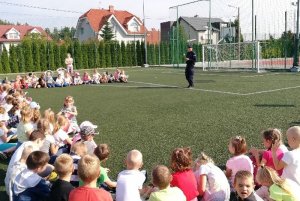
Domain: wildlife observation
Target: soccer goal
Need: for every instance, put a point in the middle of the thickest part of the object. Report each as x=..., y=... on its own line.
x=231, y=56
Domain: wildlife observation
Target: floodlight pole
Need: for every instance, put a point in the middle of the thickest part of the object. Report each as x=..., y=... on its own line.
x=177, y=24
x=296, y=52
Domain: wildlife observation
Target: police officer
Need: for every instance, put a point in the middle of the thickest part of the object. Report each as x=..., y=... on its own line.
x=190, y=58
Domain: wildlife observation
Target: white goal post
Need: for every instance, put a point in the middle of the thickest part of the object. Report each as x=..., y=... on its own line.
x=231, y=56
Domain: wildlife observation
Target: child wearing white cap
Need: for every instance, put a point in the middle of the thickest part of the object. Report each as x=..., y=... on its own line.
x=87, y=132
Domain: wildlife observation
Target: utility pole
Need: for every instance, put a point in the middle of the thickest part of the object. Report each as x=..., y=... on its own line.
x=145, y=36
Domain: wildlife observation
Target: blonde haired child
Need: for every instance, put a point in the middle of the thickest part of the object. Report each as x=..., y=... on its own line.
x=212, y=182
x=237, y=147
x=50, y=116
x=61, y=188
x=96, y=77
x=49, y=145
x=290, y=161
x=78, y=150
x=70, y=112
x=89, y=171
x=130, y=181
x=279, y=189
x=161, y=178
x=61, y=137
x=26, y=126
x=244, y=186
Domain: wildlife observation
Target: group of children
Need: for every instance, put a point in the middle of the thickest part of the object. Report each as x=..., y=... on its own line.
x=55, y=158
x=65, y=78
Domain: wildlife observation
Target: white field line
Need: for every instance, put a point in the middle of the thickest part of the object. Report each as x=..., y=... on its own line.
x=195, y=89
x=272, y=90
x=261, y=75
x=155, y=85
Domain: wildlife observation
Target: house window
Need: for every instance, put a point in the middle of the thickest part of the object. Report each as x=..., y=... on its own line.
x=81, y=30
x=134, y=27
x=13, y=36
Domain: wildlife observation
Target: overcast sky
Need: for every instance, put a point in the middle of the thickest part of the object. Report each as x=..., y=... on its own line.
x=270, y=13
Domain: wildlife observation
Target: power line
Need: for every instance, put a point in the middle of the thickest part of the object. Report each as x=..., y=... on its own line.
x=37, y=7
x=34, y=15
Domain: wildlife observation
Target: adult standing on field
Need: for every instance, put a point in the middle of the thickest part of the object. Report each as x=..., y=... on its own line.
x=190, y=58
x=69, y=63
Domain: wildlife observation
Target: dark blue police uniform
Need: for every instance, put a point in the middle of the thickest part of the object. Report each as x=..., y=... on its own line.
x=189, y=69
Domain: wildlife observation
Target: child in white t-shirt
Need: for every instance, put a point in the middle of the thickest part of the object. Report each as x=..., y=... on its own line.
x=211, y=180
x=130, y=181
x=290, y=161
x=16, y=168
x=96, y=77
x=61, y=137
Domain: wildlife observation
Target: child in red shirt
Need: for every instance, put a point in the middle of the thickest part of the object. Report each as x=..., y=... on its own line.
x=88, y=172
x=183, y=176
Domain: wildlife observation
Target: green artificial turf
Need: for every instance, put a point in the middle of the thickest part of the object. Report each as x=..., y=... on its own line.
x=154, y=113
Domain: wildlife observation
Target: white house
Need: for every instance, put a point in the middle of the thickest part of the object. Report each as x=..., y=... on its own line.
x=126, y=26
x=196, y=29
x=13, y=34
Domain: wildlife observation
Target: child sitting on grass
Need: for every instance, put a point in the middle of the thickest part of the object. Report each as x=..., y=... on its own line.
x=130, y=181
x=29, y=186
x=102, y=152
x=62, y=187
x=69, y=111
x=290, y=161
x=17, y=167
x=211, y=180
x=89, y=171
x=183, y=176
x=279, y=189
x=78, y=150
x=161, y=178
x=237, y=147
x=244, y=186
x=269, y=136
x=62, y=140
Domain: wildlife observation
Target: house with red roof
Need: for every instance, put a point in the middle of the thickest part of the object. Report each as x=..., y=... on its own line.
x=126, y=26
x=14, y=34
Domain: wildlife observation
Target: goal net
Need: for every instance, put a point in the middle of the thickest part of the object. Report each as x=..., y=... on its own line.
x=232, y=56
x=254, y=56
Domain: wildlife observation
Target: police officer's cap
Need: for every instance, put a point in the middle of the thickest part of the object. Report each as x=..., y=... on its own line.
x=189, y=46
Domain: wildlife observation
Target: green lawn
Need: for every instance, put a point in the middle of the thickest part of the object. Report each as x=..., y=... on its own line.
x=155, y=113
